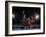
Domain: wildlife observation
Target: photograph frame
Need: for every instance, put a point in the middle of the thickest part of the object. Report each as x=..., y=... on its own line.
x=6, y=18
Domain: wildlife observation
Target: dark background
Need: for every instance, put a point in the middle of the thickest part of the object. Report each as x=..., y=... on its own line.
x=28, y=11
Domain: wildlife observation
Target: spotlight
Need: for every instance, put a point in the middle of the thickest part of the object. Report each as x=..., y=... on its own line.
x=13, y=16
x=37, y=16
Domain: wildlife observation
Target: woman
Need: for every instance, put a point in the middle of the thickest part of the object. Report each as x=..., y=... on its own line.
x=30, y=21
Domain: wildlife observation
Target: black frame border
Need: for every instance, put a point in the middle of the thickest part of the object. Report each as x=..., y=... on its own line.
x=6, y=18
